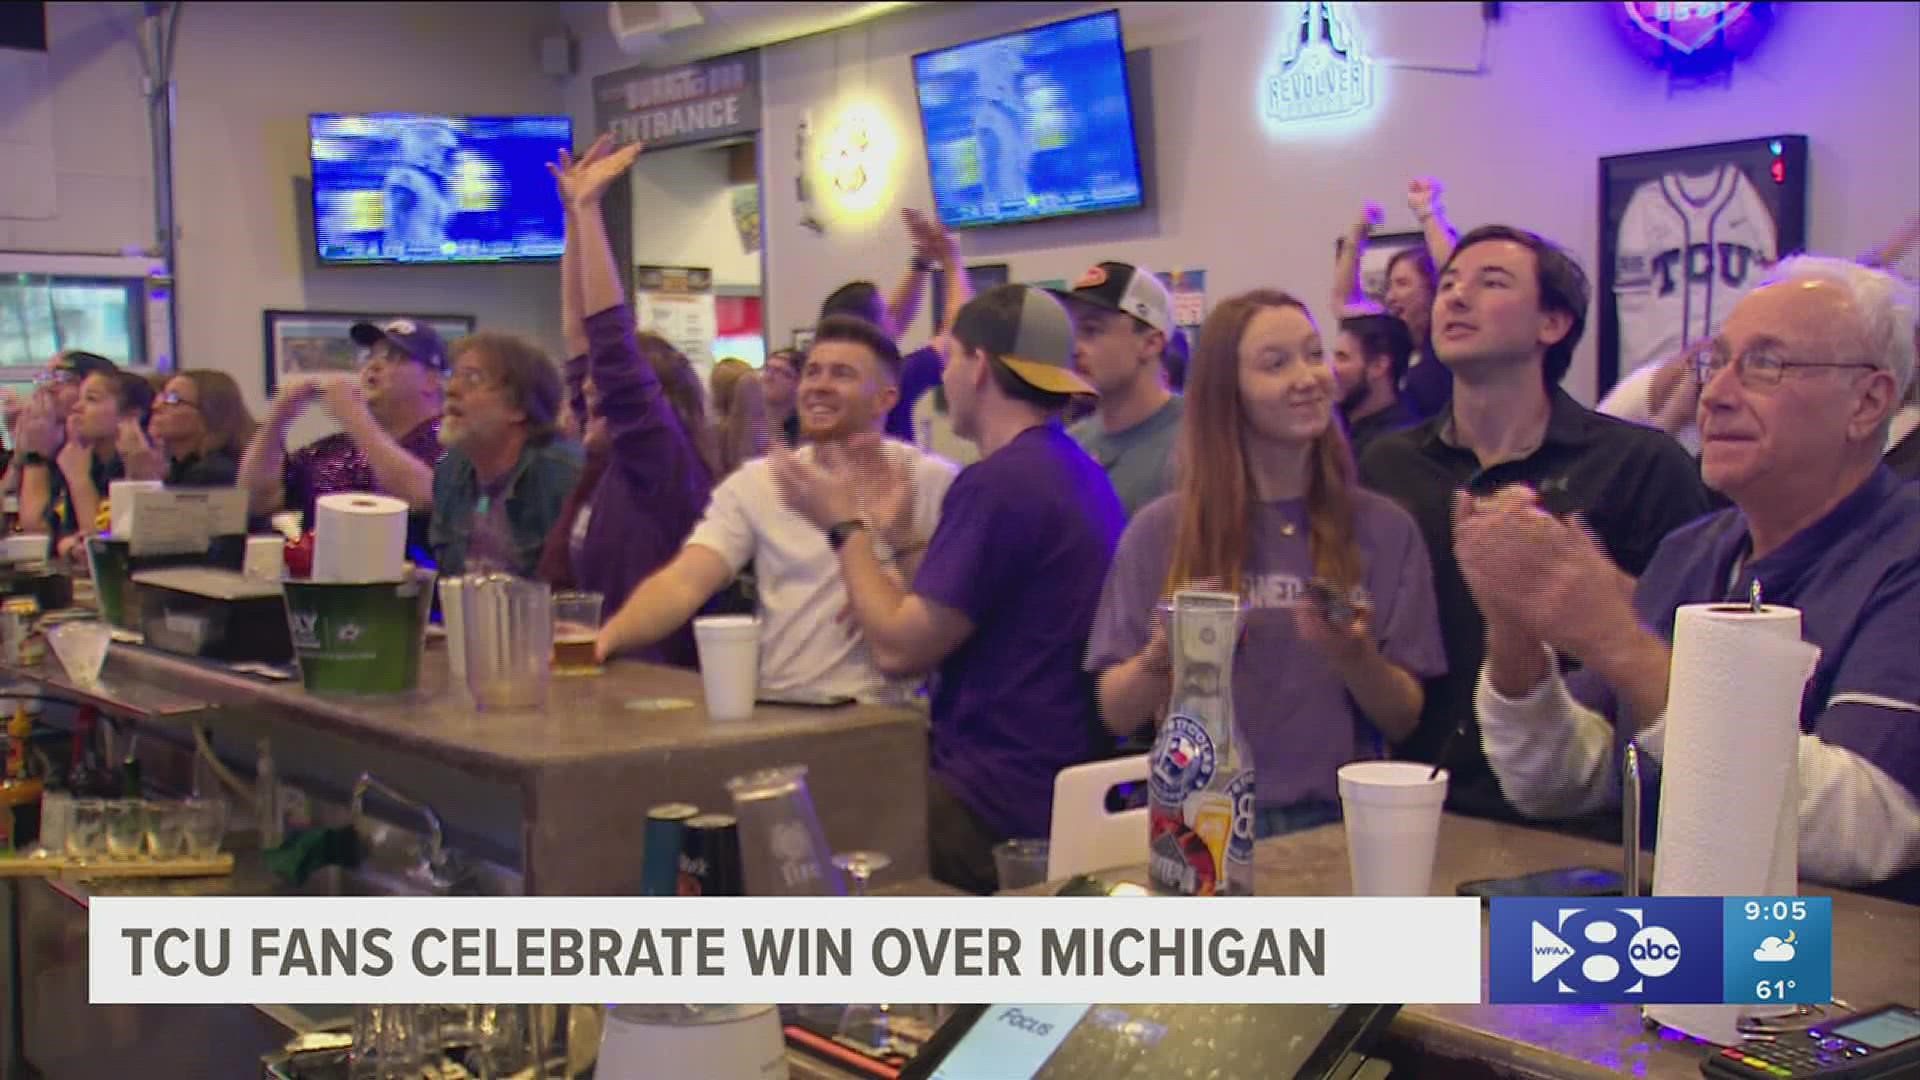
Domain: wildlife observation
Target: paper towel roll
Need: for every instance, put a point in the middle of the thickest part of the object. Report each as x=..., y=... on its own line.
x=359, y=536
x=1730, y=770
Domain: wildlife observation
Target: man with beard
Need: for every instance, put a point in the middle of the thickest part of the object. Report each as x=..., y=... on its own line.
x=1369, y=359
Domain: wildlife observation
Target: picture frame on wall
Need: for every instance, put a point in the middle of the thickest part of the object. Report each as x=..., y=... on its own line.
x=982, y=276
x=1686, y=232
x=803, y=339
x=297, y=343
x=1377, y=255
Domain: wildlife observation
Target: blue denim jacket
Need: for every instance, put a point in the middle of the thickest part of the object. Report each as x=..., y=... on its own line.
x=539, y=486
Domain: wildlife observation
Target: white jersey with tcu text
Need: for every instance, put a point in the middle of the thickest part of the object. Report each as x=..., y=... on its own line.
x=1688, y=248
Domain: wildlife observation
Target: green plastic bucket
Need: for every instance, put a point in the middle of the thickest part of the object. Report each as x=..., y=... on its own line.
x=360, y=638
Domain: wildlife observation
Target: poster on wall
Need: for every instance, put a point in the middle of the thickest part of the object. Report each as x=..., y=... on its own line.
x=1684, y=234
x=676, y=302
x=298, y=343
x=982, y=277
x=1189, y=289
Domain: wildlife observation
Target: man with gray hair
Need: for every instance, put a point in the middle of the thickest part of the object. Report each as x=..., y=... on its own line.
x=1797, y=392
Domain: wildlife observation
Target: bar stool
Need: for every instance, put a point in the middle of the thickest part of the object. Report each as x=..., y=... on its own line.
x=1085, y=836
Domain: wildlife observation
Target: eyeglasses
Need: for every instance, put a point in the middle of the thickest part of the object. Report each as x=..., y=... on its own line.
x=58, y=375
x=472, y=378
x=1757, y=369
x=171, y=398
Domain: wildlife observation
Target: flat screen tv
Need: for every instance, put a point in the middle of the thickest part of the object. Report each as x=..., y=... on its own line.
x=1029, y=125
x=408, y=188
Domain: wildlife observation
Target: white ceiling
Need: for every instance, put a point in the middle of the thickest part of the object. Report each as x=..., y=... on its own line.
x=730, y=27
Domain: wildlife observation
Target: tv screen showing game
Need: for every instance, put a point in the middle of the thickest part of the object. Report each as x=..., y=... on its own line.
x=410, y=188
x=1029, y=125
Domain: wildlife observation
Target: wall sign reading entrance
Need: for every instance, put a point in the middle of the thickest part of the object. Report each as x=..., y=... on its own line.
x=1323, y=71
x=699, y=102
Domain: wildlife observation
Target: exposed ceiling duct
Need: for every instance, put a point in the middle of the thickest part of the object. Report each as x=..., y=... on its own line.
x=673, y=33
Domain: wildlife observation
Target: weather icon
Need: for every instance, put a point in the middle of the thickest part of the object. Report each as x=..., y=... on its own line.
x=1775, y=950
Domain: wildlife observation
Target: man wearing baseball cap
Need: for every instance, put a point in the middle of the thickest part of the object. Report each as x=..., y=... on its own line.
x=1122, y=321
x=1003, y=600
x=389, y=437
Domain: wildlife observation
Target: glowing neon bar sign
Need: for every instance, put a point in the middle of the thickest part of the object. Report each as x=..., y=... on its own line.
x=1685, y=27
x=1323, y=71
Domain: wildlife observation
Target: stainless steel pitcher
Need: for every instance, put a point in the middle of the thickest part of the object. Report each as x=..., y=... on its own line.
x=509, y=640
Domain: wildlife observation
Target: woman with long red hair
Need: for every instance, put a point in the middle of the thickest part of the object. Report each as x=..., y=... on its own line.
x=1267, y=506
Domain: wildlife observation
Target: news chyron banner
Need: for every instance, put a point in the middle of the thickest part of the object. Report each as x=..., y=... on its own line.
x=1667, y=950
x=713, y=950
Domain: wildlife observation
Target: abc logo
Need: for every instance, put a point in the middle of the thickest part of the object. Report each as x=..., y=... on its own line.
x=1654, y=952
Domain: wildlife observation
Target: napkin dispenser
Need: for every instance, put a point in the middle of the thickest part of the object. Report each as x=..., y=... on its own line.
x=214, y=614
x=156, y=528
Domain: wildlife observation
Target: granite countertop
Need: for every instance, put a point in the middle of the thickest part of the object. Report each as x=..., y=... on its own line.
x=631, y=709
x=1876, y=958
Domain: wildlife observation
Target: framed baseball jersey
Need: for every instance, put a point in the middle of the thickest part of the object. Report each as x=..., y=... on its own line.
x=1685, y=233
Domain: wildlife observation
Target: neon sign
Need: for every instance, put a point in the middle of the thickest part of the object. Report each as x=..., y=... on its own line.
x=1685, y=28
x=1323, y=73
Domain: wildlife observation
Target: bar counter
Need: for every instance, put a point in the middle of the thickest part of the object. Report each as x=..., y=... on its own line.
x=1876, y=960
x=582, y=771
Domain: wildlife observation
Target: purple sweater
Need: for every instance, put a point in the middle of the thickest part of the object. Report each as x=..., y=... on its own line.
x=655, y=488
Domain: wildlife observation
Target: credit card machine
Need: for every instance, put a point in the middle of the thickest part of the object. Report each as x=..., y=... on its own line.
x=1879, y=1044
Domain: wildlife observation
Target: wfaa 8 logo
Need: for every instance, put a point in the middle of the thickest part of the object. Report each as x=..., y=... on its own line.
x=1650, y=951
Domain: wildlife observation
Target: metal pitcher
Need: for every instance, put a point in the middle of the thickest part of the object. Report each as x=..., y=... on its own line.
x=509, y=640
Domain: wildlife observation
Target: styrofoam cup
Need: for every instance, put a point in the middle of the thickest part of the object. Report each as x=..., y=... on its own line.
x=729, y=663
x=1392, y=811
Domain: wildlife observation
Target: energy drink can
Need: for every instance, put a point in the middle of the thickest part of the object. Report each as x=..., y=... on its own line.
x=666, y=835
x=710, y=857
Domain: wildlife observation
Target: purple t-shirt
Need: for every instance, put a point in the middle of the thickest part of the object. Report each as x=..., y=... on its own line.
x=1022, y=548
x=919, y=373
x=1294, y=711
x=1855, y=577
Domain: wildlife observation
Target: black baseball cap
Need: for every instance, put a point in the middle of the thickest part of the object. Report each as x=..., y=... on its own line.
x=1123, y=287
x=417, y=340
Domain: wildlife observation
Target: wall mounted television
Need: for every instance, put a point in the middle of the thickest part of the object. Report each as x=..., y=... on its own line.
x=1030, y=125
x=407, y=188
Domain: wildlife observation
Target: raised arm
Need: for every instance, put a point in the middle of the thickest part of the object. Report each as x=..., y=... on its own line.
x=1423, y=198
x=263, y=466
x=1349, y=295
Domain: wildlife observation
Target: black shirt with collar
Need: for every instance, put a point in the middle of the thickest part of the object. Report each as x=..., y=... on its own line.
x=1904, y=458
x=1633, y=484
x=1361, y=433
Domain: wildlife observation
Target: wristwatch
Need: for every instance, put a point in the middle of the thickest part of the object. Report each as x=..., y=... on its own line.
x=34, y=457
x=838, y=532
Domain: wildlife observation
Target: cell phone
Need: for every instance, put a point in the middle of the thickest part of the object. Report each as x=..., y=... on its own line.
x=1338, y=606
x=1879, y=1044
x=809, y=698
x=1566, y=881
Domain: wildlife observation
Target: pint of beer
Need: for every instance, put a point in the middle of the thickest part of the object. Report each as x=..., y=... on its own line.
x=576, y=624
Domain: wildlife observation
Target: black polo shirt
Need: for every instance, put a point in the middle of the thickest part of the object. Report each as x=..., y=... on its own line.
x=1634, y=485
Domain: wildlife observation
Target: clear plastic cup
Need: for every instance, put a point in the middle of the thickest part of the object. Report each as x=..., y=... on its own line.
x=1020, y=863
x=126, y=828
x=87, y=833
x=204, y=827
x=166, y=829
x=1392, y=811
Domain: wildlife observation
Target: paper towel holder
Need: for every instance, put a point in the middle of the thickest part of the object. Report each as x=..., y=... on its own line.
x=1752, y=606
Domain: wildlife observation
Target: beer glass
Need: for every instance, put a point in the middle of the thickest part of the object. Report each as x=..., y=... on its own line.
x=576, y=625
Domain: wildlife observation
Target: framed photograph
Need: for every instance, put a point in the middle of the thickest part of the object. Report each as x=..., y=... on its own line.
x=983, y=277
x=1380, y=250
x=1684, y=234
x=313, y=342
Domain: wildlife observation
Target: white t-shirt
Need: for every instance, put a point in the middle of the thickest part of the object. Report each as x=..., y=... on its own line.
x=804, y=644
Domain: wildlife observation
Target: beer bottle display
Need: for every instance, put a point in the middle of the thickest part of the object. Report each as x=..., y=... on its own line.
x=1201, y=781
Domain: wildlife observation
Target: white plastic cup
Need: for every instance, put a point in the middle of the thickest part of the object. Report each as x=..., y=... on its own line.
x=1392, y=811
x=266, y=558
x=729, y=663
